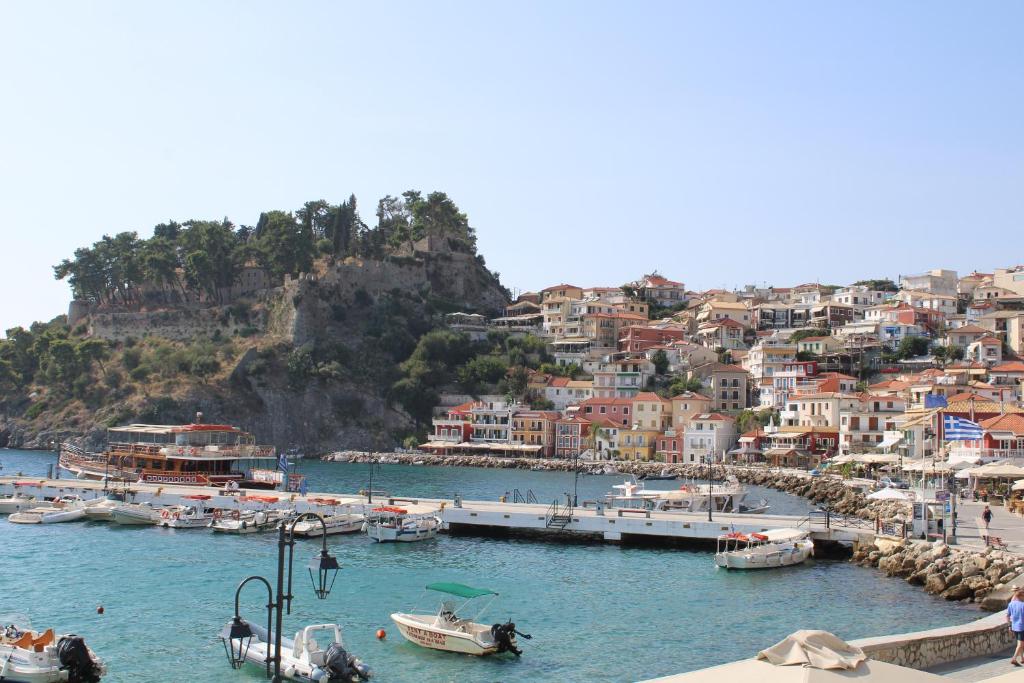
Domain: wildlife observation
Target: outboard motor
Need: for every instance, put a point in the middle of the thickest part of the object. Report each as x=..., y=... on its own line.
x=504, y=636
x=76, y=659
x=342, y=667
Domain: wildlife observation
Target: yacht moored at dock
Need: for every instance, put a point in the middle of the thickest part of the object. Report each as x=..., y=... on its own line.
x=192, y=515
x=195, y=454
x=16, y=502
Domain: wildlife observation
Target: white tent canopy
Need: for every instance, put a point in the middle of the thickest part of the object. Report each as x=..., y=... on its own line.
x=889, y=494
x=995, y=470
x=1018, y=485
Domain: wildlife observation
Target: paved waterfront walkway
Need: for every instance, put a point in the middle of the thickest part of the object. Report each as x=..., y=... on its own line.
x=1007, y=526
x=979, y=668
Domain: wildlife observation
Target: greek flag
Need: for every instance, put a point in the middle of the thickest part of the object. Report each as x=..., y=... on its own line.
x=935, y=401
x=282, y=463
x=960, y=429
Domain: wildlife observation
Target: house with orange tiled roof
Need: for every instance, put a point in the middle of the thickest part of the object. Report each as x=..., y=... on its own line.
x=1009, y=374
x=725, y=333
x=727, y=385
x=986, y=349
x=708, y=437
x=535, y=428
x=965, y=336
x=819, y=345
x=652, y=411
x=618, y=410
x=870, y=422
x=571, y=436
x=563, y=291
x=660, y=290
x=688, y=404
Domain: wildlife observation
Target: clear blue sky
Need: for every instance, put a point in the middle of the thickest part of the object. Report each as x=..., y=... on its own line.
x=589, y=142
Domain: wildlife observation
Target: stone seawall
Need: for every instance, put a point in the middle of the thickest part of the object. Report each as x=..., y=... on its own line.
x=925, y=649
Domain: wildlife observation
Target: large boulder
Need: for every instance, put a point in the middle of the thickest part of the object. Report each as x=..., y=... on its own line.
x=935, y=584
x=957, y=592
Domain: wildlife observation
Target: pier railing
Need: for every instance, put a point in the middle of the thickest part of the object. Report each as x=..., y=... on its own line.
x=558, y=516
x=518, y=497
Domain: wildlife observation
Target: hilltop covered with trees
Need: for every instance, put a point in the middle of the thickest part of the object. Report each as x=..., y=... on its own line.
x=356, y=381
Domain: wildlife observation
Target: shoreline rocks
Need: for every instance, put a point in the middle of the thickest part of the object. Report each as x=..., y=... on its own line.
x=956, y=574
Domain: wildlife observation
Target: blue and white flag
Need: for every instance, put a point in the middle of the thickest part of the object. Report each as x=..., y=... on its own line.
x=960, y=429
x=935, y=401
x=282, y=463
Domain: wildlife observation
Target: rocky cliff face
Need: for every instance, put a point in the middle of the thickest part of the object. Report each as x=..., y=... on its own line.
x=320, y=353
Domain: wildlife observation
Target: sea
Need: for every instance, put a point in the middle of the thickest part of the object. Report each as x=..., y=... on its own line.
x=596, y=611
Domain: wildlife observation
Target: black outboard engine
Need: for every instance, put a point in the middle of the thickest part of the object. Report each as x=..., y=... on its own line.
x=342, y=667
x=75, y=658
x=504, y=635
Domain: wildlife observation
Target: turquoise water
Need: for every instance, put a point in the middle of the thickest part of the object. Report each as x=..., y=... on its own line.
x=597, y=612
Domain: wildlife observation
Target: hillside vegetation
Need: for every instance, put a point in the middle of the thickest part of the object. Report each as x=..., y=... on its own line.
x=326, y=362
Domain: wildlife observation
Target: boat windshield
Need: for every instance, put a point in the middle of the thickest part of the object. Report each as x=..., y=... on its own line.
x=15, y=619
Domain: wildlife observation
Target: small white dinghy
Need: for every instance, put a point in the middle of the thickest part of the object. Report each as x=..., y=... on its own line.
x=27, y=656
x=66, y=509
x=138, y=514
x=390, y=524
x=101, y=509
x=316, y=654
x=773, y=548
x=193, y=516
x=451, y=631
x=16, y=502
x=248, y=522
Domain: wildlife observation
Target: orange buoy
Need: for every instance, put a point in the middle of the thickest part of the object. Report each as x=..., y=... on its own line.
x=99, y=609
x=381, y=634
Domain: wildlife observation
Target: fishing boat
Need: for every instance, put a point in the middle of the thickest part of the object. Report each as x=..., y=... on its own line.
x=451, y=627
x=664, y=476
x=28, y=656
x=192, y=515
x=102, y=509
x=65, y=509
x=195, y=454
x=134, y=514
x=250, y=521
x=305, y=657
x=773, y=548
x=390, y=524
x=16, y=502
x=336, y=522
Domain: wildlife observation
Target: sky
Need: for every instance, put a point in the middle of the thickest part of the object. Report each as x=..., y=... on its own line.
x=719, y=143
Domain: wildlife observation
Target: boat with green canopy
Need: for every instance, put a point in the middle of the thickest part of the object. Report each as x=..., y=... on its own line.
x=450, y=628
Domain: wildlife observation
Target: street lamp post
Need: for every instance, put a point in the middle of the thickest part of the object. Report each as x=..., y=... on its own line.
x=323, y=570
x=711, y=500
x=576, y=477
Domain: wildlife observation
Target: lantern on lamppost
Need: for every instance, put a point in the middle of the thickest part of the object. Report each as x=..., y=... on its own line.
x=236, y=636
x=323, y=570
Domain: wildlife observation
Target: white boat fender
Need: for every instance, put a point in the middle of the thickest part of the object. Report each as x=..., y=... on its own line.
x=289, y=671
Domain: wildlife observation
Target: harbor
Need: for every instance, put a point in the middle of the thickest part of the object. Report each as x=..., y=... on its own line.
x=551, y=588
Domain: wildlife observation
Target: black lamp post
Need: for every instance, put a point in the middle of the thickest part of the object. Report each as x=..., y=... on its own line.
x=711, y=500
x=576, y=477
x=237, y=634
x=323, y=570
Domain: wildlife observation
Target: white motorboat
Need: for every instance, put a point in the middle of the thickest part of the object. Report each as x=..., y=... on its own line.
x=16, y=502
x=336, y=523
x=773, y=548
x=194, y=515
x=390, y=524
x=28, y=656
x=451, y=631
x=248, y=521
x=66, y=509
x=134, y=514
x=317, y=653
x=101, y=509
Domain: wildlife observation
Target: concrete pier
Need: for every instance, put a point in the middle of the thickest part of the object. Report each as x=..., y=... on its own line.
x=465, y=516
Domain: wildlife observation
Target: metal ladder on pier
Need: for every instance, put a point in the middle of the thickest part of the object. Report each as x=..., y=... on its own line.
x=518, y=497
x=558, y=516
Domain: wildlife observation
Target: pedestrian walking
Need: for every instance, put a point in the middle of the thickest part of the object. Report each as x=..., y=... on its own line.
x=986, y=519
x=1015, y=618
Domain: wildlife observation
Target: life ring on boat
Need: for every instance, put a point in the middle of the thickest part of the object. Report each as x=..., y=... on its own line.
x=177, y=515
x=217, y=514
x=235, y=514
x=164, y=514
x=193, y=451
x=181, y=450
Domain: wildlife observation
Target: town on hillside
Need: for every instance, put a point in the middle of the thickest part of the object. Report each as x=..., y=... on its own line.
x=788, y=376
